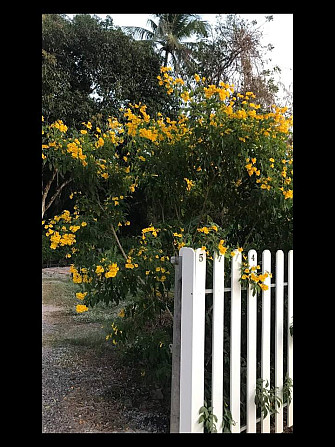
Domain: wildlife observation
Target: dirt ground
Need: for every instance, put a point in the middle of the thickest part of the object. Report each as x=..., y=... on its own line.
x=84, y=390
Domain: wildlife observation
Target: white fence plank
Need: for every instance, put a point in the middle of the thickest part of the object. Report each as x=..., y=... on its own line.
x=279, y=337
x=235, y=342
x=192, y=339
x=266, y=332
x=251, y=349
x=217, y=338
x=289, y=337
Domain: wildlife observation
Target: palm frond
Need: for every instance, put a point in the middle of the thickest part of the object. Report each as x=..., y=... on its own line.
x=138, y=32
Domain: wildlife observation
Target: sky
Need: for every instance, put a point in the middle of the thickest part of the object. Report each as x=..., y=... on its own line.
x=278, y=32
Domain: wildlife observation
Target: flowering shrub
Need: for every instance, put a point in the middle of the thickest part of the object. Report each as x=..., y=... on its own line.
x=250, y=277
x=218, y=175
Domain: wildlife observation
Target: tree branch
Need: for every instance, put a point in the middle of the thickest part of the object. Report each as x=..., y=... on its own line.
x=46, y=191
x=58, y=191
x=114, y=234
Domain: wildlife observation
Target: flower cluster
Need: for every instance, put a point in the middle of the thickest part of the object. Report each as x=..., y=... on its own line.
x=59, y=125
x=76, y=151
x=250, y=277
x=81, y=308
x=80, y=276
x=112, y=270
x=60, y=232
x=166, y=79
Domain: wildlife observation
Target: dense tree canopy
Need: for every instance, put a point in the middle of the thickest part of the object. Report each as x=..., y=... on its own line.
x=91, y=69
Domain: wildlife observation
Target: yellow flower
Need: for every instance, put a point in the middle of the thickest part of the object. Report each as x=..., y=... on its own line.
x=129, y=265
x=121, y=313
x=81, y=308
x=222, y=249
x=113, y=269
x=288, y=194
x=185, y=96
x=197, y=77
x=80, y=295
x=190, y=183
x=99, y=269
x=203, y=230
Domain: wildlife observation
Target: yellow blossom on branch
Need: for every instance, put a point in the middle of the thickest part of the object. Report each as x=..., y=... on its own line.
x=81, y=308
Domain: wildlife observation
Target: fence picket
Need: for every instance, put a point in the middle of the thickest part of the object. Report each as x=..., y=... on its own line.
x=266, y=332
x=251, y=350
x=289, y=337
x=217, y=338
x=279, y=333
x=235, y=342
x=192, y=339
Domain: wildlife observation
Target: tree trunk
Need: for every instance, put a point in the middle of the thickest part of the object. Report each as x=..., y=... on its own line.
x=46, y=191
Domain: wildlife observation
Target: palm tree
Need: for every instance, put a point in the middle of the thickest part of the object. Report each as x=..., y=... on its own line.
x=170, y=33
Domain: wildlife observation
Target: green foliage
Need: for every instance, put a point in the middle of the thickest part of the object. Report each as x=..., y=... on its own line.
x=208, y=419
x=266, y=398
x=51, y=257
x=287, y=389
x=91, y=68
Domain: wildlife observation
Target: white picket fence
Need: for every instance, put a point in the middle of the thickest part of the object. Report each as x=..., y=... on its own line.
x=190, y=368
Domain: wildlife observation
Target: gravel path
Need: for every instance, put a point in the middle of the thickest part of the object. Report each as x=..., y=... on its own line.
x=84, y=390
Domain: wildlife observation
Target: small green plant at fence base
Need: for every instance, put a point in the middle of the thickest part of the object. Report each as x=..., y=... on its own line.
x=266, y=398
x=209, y=419
x=287, y=389
x=227, y=420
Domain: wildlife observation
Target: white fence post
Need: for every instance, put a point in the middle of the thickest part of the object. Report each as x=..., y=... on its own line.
x=266, y=332
x=235, y=342
x=279, y=333
x=251, y=349
x=192, y=339
x=289, y=337
x=217, y=338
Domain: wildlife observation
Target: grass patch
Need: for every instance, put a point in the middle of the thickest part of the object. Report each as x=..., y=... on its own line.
x=58, y=291
x=87, y=329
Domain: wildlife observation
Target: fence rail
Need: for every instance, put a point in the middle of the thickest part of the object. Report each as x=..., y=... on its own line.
x=188, y=370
